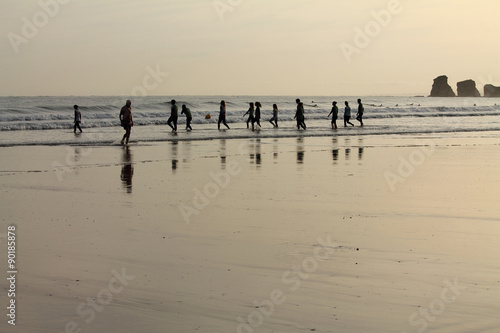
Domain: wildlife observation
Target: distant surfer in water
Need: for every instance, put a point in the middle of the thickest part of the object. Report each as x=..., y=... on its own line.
x=126, y=120
x=334, y=113
x=299, y=114
x=174, y=115
x=361, y=110
x=275, y=116
x=347, y=114
x=78, y=119
x=222, y=115
x=189, y=117
x=257, y=113
x=251, y=117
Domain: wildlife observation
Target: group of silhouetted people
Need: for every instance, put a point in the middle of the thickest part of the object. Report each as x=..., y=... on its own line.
x=174, y=115
x=347, y=114
x=254, y=115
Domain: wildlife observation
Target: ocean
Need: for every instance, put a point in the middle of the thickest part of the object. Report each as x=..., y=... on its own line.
x=49, y=120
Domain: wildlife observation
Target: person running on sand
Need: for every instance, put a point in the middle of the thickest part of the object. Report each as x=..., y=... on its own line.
x=174, y=115
x=334, y=113
x=275, y=116
x=347, y=115
x=299, y=115
x=78, y=119
x=189, y=117
x=361, y=110
x=250, y=114
x=257, y=113
x=222, y=115
x=126, y=121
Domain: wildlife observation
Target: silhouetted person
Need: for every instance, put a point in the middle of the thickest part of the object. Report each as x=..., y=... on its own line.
x=189, y=117
x=78, y=119
x=299, y=114
x=126, y=120
x=347, y=115
x=361, y=110
x=257, y=113
x=222, y=115
x=251, y=117
x=335, y=114
x=275, y=116
x=174, y=115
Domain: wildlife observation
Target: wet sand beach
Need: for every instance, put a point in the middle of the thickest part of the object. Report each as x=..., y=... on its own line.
x=392, y=233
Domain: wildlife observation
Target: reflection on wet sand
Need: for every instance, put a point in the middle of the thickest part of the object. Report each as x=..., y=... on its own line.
x=347, y=150
x=360, y=153
x=222, y=152
x=300, y=150
x=174, y=145
x=255, y=153
x=127, y=169
x=335, y=154
x=275, y=148
x=347, y=153
x=361, y=149
x=335, y=150
x=186, y=149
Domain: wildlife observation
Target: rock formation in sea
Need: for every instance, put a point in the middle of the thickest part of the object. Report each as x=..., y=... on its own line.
x=491, y=91
x=467, y=88
x=441, y=88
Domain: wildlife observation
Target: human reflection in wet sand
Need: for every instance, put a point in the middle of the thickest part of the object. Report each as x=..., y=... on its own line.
x=335, y=150
x=127, y=169
x=222, y=152
x=79, y=152
x=347, y=150
x=78, y=156
x=174, y=145
x=186, y=151
x=361, y=149
x=335, y=154
x=275, y=148
x=255, y=153
x=300, y=150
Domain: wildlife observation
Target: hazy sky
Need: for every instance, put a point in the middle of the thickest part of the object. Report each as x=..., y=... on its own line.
x=245, y=47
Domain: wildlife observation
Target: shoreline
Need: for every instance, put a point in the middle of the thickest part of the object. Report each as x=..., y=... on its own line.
x=145, y=135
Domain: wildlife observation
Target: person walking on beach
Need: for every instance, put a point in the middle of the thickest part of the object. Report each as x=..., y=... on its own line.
x=78, y=119
x=334, y=113
x=275, y=116
x=126, y=120
x=347, y=114
x=250, y=114
x=299, y=115
x=189, y=117
x=361, y=110
x=222, y=115
x=257, y=113
x=174, y=115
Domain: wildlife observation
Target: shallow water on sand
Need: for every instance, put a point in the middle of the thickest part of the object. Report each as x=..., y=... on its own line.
x=326, y=234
